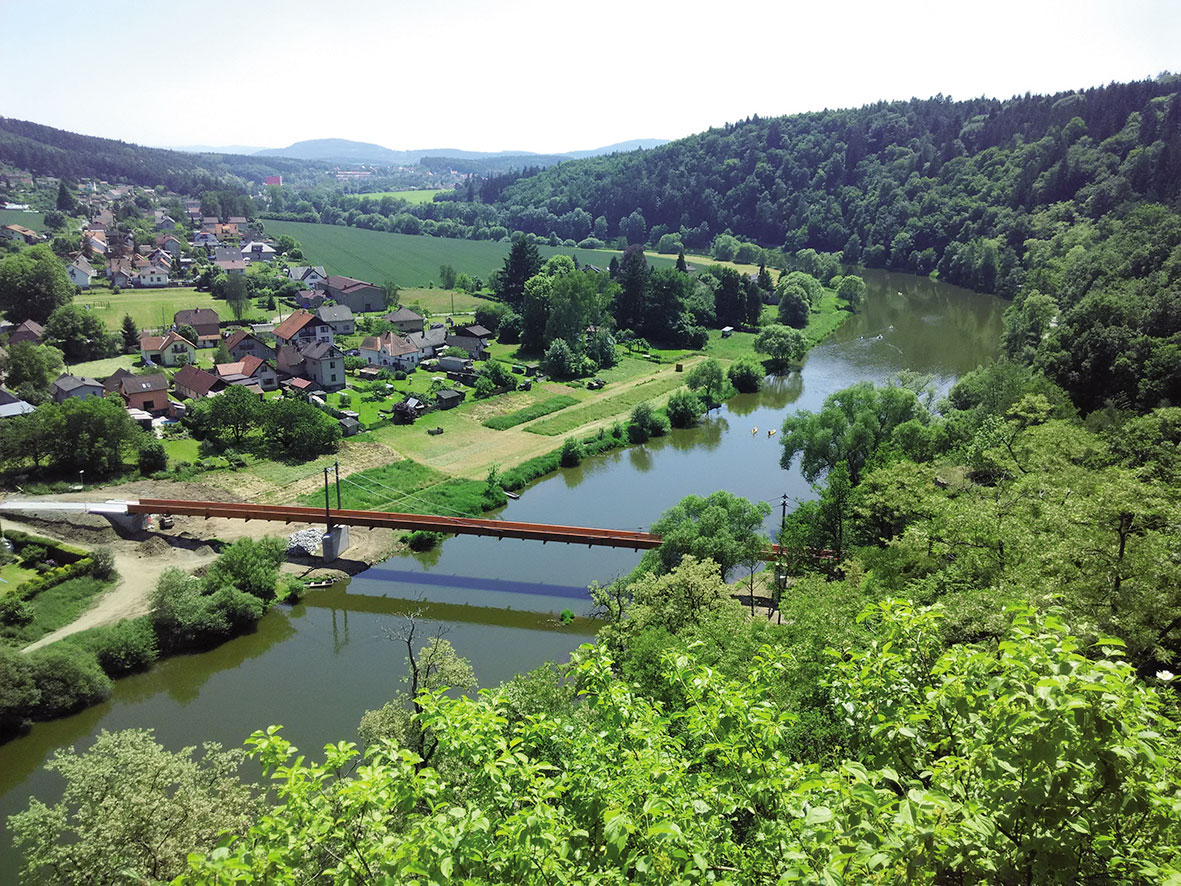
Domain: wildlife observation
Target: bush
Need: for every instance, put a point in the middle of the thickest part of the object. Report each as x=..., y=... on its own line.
x=184, y=617
x=68, y=679
x=31, y=555
x=125, y=647
x=13, y=611
x=248, y=565
x=684, y=409
x=570, y=455
x=152, y=456
x=102, y=562
x=645, y=423
x=746, y=374
x=420, y=540
x=559, y=360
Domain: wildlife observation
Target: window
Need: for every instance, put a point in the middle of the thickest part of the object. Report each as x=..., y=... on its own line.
x=149, y=404
x=332, y=365
x=334, y=376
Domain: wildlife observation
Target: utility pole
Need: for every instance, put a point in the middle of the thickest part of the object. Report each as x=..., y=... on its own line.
x=780, y=568
x=337, y=465
x=327, y=511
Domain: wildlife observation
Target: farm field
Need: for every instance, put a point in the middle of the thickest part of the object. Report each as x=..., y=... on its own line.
x=33, y=220
x=413, y=260
x=439, y=301
x=153, y=308
x=425, y=195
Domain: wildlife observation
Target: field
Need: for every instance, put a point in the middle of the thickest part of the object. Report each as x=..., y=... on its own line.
x=413, y=260
x=153, y=308
x=423, y=196
x=439, y=301
x=33, y=220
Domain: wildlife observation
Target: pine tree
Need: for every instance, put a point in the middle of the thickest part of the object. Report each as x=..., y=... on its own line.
x=65, y=200
x=130, y=335
x=682, y=265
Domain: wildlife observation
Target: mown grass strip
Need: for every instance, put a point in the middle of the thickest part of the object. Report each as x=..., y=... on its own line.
x=407, y=487
x=536, y=410
x=619, y=404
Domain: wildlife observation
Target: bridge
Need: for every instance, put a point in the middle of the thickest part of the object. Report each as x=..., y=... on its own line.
x=543, y=532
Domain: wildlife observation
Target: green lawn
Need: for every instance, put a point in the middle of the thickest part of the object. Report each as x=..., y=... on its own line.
x=33, y=220
x=575, y=417
x=100, y=369
x=55, y=608
x=439, y=301
x=413, y=260
x=423, y=196
x=12, y=574
x=154, y=308
x=182, y=449
x=536, y=410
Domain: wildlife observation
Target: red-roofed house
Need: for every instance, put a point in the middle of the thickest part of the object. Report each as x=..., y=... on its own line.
x=303, y=328
x=146, y=392
x=246, y=344
x=389, y=349
x=192, y=383
x=249, y=371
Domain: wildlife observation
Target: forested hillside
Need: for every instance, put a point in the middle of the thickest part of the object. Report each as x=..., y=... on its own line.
x=44, y=150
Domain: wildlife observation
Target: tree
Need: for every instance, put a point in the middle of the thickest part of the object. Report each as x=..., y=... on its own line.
x=852, y=290
x=746, y=374
x=92, y=434
x=248, y=565
x=447, y=276
x=571, y=453
x=600, y=347
x=221, y=354
x=782, y=345
x=721, y=527
x=65, y=200
x=522, y=262
x=684, y=409
x=793, y=304
x=132, y=811
x=79, y=334
x=233, y=288
x=559, y=360
x=682, y=265
x=709, y=378
x=18, y=691
x=575, y=303
x=535, y=307
x=153, y=457
x=130, y=335
x=848, y=429
x=644, y=424
x=188, y=333
x=229, y=418
x=633, y=283
x=298, y=429
x=29, y=369
x=33, y=282
x=390, y=289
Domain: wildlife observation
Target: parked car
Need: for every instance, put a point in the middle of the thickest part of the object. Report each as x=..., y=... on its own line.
x=594, y=384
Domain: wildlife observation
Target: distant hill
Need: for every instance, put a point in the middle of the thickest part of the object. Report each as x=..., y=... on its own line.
x=340, y=150
x=216, y=149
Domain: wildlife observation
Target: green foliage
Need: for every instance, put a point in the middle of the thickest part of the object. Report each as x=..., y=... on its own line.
x=559, y=360
x=709, y=378
x=18, y=690
x=528, y=413
x=721, y=527
x=248, y=565
x=746, y=375
x=124, y=647
x=29, y=369
x=132, y=811
x=67, y=680
x=185, y=616
x=152, y=456
x=570, y=454
x=644, y=423
x=79, y=334
x=851, y=290
x=421, y=540
x=33, y=283
x=684, y=409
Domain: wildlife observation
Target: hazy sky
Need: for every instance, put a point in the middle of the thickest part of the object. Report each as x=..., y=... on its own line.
x=534, y=75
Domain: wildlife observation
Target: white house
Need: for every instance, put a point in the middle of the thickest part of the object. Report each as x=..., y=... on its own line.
x=389, y=349
x=80, y=272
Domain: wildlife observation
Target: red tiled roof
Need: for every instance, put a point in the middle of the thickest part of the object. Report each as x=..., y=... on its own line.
x=293, y=324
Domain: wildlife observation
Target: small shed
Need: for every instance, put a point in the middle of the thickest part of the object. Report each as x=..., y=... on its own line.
x=348, y=426
x=449, y=398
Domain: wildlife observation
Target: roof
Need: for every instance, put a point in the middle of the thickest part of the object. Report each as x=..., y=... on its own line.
x=300, y=383
x=73, y=382
x=160, y=342
x=246, y=367
x=11, y=405
x=348, y=284
x=301, y=272
x=429, y=338
x=196, y=380
x=320, y=350
x=475, y=331
x=112, y=381
x=31, y=326
x=401, y=316
x=450, y=394
x=238, y=337
x=196, y=317
x=389, y=343
x=293, y=324
x=233, y=264
x=335, y=313
x=237, y=220
x=143, y=384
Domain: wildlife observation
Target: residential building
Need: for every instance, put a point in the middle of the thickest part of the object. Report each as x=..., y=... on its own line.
x=255, y=251
x=339, y=317
x=243, y=344
x=473, y=339
x=80, y=272
x=390, y=349
x=30, y=330
x=232, y=266
x=150, y=277
x=72, y=386
x=171, y=349
x=319, y=362
x=405, y=320
x=119, y=272
x=357, y=294
x=303, y=327
x=12, y=405
x=165, y=223
x=430, y=341
x=249, y=371
x=20, y=232
x=207, y=239
x=205, y=320
x=172, y=245
x=191, y=383
x=146, y=392
x=309, y=276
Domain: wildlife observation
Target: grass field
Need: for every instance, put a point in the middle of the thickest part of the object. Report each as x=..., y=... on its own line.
x=423, y=196
x=413, y=260
x=537, y=410
x=439, y=301
x=32, y=220
x=574, y=418
x=55, y=608
x=153, y=308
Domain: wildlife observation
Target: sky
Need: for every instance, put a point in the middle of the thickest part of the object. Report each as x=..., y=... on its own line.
x=539, y=76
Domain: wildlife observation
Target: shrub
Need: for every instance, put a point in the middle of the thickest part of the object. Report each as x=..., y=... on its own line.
x=290, y=589
x=746, y=375
x=18, y=690
x=248, y=565
x=152, y=456
x=125, y=647
x=567, y=616
x=31, y=555
x=184, y=617
x=645, y=423
x=420, y=540
x=570, y=455
x=684, y=409
x=14, y=612
x=68, y=679
x=102, y=562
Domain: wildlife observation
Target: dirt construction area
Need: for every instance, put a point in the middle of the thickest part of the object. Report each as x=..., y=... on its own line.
x=191, y=544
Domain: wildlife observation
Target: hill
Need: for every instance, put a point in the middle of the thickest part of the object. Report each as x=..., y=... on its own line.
x=44, y=150
x=340, y=150
x=411, y=260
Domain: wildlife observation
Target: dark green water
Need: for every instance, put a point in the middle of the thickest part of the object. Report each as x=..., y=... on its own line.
x=317, y=667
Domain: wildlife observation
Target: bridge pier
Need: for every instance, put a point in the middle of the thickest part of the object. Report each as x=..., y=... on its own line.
x=335, y=542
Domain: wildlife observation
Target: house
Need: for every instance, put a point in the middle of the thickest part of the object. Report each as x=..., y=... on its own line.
x=192, y=383
x=96, y=242
x=449, y=398
x=226, y=232
x=429, y=341
x=456, y=364
x=172, y=349
x=255, y=251
x=146, y=392
x=205, y=321
x=172, y=245
x=473, y=339
x=20, y=232
x=246, y=344
x=249, y=371
x=208, y=223
x=405, y=320
x=111, y=382
x=357, y=294
x=206, y=238
x=390, y=349
x=309, y=299
x=80, y=272
x=119, y=272
x=302, y=328
x=72, y=386
x=239, y=220
x=339, y=317
x=165, y=223
x=349, y=426
x=12, y=405
x=309, y=276
x=30, y=330
x=319, y=362
x=146, y=278
x=231, y=266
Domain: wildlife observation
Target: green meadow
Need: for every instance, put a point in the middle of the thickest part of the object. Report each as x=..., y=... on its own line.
x=153, y=308
x=411, y=260
x=423, y=196
x=33, y=220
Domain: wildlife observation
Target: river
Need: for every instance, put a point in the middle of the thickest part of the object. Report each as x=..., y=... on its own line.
x=318, y=666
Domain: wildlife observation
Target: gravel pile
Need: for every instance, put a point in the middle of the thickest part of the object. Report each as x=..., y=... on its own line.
x=305, y=542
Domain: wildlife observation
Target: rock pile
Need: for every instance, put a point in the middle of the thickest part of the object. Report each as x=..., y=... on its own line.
x=306, y=543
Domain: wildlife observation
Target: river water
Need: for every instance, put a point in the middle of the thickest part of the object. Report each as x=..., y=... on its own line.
x=318, y=666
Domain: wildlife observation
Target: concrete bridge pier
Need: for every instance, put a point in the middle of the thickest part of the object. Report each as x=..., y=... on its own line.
x=335, y=542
